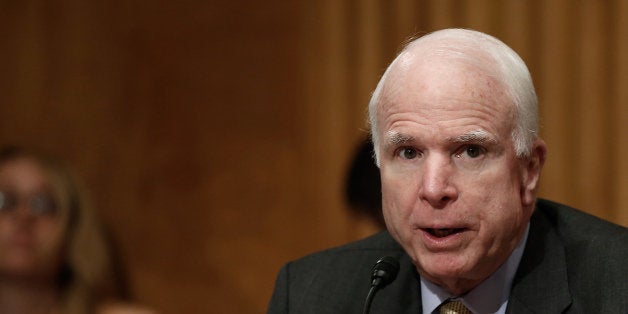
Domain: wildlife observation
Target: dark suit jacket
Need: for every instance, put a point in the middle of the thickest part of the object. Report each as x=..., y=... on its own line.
x=572, y=263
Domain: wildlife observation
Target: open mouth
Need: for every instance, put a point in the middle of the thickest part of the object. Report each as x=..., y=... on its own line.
x=445, y=232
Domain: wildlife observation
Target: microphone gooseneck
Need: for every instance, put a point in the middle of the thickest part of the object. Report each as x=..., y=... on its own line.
x=384, y=272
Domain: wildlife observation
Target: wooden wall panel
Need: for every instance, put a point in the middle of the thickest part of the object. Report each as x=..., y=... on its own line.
x=593, y=157
x=214, y=136
x=618, y=183
x=553, y=80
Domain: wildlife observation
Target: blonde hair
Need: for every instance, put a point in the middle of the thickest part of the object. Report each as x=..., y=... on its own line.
x=87, y=275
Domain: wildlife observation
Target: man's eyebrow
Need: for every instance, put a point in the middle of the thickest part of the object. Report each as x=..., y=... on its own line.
x=396, y=138
x=478, y=136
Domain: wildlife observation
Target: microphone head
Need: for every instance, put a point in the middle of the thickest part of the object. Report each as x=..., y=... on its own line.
x=384, y=271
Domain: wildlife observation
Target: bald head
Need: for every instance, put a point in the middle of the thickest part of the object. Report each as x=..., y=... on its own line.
x=461, y=49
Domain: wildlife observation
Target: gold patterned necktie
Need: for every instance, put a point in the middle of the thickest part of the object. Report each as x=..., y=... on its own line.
x=454, y=307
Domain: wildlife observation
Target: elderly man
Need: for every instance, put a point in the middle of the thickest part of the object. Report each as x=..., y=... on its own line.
x=455, y=128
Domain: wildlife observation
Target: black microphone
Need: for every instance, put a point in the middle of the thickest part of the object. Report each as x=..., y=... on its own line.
x=383, y=273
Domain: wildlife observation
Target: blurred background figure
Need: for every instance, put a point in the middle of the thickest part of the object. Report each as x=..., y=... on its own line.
x=54, y=255
x=363, y=186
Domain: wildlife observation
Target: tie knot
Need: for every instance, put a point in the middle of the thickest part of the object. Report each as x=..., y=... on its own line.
x=454, y=307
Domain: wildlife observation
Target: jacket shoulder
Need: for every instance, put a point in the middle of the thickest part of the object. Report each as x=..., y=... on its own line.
x=576, y=226
x=333, y=280
x=594, y=251
x=366, y=249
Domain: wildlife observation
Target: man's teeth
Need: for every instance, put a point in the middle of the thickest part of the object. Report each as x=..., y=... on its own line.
x=443, y=232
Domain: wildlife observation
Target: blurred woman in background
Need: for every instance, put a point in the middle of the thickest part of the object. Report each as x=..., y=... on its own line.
x=54, y=256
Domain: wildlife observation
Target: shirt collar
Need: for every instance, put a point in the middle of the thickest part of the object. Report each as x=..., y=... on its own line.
x=491, y=296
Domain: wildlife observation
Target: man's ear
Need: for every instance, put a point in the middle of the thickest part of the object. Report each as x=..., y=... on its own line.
x=531, y=172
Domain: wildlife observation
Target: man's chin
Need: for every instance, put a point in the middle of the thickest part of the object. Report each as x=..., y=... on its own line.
x=443, y=269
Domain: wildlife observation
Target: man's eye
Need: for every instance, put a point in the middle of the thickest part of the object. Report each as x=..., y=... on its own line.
x=472, y=151
x=408, y=153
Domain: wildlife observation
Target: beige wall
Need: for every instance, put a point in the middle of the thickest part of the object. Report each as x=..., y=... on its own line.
x=214, y=135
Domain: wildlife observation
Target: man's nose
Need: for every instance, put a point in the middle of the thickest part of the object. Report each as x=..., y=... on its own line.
x=437, y=187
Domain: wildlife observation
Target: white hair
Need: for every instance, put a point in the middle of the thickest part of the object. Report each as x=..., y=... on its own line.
x=490, y=55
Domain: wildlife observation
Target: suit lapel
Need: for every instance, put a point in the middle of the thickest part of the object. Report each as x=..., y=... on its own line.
x=540, y=285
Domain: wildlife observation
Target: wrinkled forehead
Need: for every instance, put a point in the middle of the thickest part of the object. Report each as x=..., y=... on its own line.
x=452, y=53
x=432, y=82
x=419, y=70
